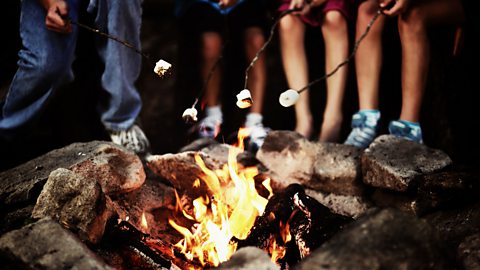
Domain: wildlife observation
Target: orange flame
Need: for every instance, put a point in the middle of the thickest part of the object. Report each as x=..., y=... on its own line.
x=229, y=212
x=143, y=221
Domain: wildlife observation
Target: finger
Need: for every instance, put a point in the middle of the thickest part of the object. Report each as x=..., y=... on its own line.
x=385, y=4
x=57, y=24
x=62, y=8
x=394, y=11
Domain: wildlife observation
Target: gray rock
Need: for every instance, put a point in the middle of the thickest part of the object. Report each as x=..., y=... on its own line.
x=249, y=258
x=76, y=202
x=393, y=199
x=22, y=184
x=394, y=163
x=337, y=169
x=386, y=239
x=46, y=245
x=469, y=252
x=346, y=205
x=182, y=171
x=289, y=157
x=15, y=219
x=116, y=170
x=198, y=145
x=454, y=225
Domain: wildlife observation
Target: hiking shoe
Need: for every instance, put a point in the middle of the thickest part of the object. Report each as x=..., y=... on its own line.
x=364, y=128
x=405, y=129
x=209, y=127
x=133, y=139
x=257, y=136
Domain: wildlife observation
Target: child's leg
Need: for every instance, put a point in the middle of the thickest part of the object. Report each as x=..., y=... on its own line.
x=211, y=51
x=412, y=27
x=335, y=33
x=254, y=40
x=368, y=59
x=292, y=33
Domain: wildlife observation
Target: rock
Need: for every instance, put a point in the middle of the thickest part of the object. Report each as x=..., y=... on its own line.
x=182, y=171
x=76, y=202
x=454, y=225
x=198, y=145
x=15, y=219
x=22, y=184
x=394, y=199
x=46, y=245
x=347, y=205
x=116, y=170
x=337, y=170
x=385, y=239
x=289, y=157
x=469, y=252
x=394, y=163
x=249, y=258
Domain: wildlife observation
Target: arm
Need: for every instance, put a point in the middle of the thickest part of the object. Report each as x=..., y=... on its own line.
x=56, y=11
x=227, y=3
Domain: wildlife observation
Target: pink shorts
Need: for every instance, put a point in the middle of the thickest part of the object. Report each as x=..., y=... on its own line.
x=315, y=16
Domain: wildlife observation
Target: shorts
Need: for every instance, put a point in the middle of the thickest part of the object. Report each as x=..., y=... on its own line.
x=315, y=16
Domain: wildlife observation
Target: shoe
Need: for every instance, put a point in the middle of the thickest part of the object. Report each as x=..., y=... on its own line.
x=257, y=136
x=405, y=129
x=364, y=128
x=133, y=139
x=209, y=127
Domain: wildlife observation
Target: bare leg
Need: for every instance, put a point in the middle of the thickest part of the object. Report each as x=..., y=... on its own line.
x=254, y=40
x=416, y=49
x=368, y=59
x=292, y=33
x=211, y=50
x=335, y=33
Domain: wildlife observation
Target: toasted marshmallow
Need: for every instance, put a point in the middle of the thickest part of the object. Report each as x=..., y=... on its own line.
x=161, y=67
x=244, y=99
x=190, y=115
x=289, y=98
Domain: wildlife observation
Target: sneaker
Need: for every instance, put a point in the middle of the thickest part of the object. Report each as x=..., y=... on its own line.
x=405, y=129
x=133, y=139
x=209, y=127
x=257, y=136
x=364, y=128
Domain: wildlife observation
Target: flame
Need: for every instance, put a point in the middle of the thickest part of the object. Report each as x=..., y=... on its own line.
x=229, y=212
x=143, y=221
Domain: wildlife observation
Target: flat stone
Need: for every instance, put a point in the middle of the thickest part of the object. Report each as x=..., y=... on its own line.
x=469, y=252
x=116, y=170
x=23, y=183
x=394, y=163
x=249, y=258
x=76, y=202
x=289, y=157
x=337, y=169
x=46, y=245
x=346, y=205
x=198, y=144
x=385, y=239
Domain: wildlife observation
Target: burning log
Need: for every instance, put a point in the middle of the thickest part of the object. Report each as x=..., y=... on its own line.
x=293, y=215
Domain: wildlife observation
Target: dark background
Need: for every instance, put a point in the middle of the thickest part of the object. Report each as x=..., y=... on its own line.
x=449, y=116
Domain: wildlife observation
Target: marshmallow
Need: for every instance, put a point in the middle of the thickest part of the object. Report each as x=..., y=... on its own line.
x=289, y=98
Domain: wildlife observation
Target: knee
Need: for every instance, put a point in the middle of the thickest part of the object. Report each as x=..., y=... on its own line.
x=254, y=38
x=289, y=23
x=212, y=46
x=334, y=21
x=43, y=64
x=412, y=22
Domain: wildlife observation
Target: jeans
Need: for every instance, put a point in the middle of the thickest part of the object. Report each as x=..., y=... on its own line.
x=45, y=63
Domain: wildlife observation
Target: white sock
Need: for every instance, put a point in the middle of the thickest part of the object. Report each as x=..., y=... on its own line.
x=214, y=112
x=253, y=119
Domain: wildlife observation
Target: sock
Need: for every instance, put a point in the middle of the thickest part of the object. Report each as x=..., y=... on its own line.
x=253, y=119
x=214, y=112
x=372, y=116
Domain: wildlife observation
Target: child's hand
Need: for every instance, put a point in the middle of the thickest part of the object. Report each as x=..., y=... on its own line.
x=226, y=3
x=56, y=12
x=316, y=3
x=394, y=7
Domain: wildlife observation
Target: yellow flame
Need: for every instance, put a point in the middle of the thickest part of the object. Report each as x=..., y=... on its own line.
x=229, y=212
x=143, y=221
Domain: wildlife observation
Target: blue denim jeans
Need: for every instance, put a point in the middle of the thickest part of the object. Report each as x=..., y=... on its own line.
x=45, y=63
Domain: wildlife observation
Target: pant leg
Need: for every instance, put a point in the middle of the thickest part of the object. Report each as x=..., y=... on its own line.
x=120, y=18
x=44, y=63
